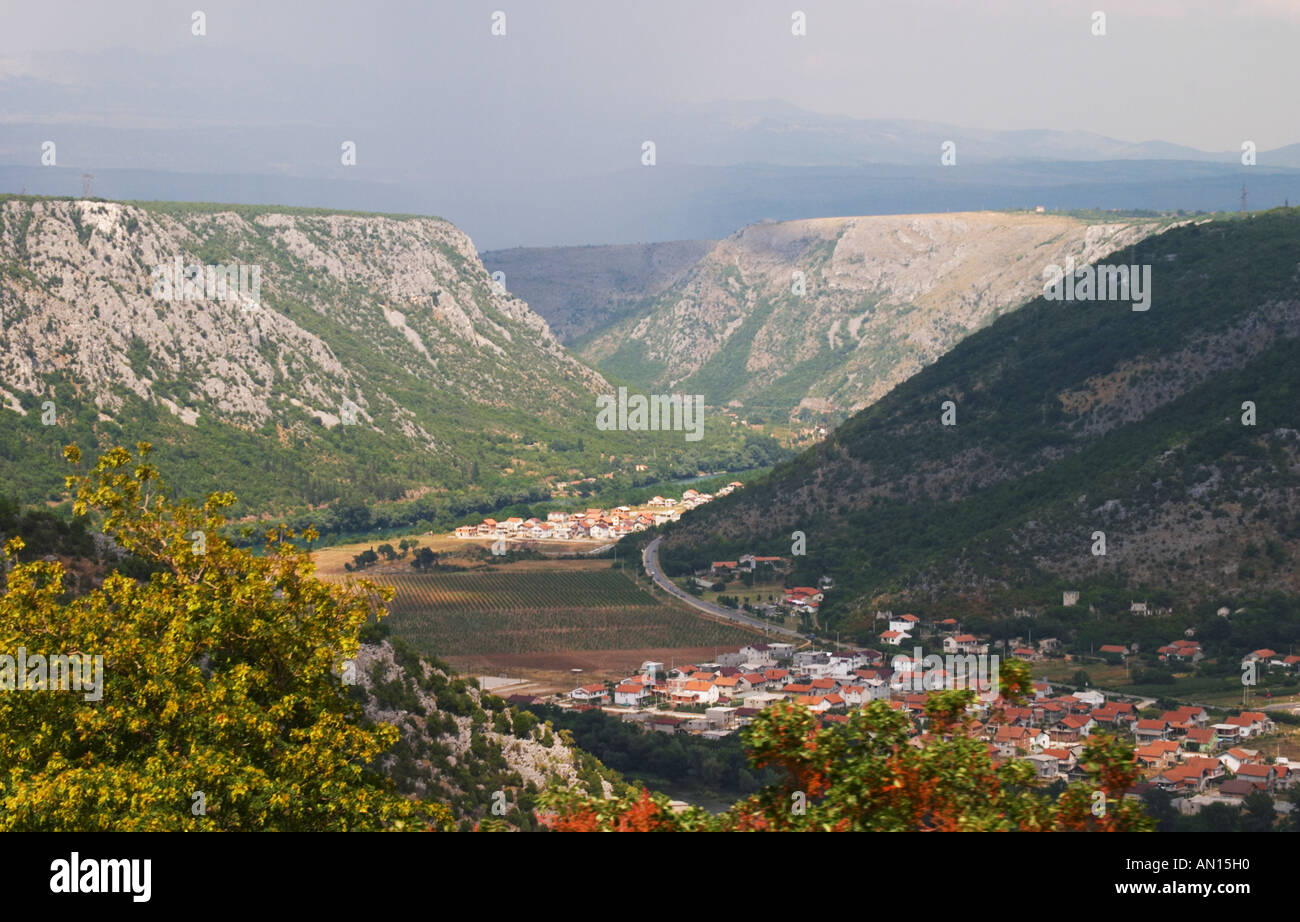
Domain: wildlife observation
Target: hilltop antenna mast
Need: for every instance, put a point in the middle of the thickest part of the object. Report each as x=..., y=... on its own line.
x=87, y=184
x=1243, y=199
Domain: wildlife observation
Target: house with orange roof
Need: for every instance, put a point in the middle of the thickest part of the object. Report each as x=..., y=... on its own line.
x=1012, y=740
x=1236, y=757
x=1054, y=762
x=631, y=694
x=1071, y=729
x=1259, y=773
x=816, y=703
x=1159, y=754
x=1251, y=723
x=732, y=685
x=1192, y=775
x=696, y=692
x=590, y=694
x=1114, y=714
x=1148, y=730
x=775, y=678
x=964, y=643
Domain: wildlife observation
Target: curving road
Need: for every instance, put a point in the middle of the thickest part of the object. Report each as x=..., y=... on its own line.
x=650, y=559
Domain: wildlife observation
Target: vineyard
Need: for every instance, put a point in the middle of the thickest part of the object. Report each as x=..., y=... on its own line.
x=513, y=611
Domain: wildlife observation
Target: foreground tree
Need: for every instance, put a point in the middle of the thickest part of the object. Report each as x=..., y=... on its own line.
x=868, y=774
x=221, y=706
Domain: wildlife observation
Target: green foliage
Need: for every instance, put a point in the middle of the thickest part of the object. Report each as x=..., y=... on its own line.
x=863, y=775
x=219, y=677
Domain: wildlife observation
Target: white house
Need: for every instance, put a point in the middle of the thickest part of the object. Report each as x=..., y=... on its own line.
x=631, y=694
x=590, y=694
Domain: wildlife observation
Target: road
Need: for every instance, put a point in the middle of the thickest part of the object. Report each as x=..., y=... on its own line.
x=650, y=559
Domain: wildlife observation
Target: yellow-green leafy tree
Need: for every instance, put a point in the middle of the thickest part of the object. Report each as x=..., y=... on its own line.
x=222, y=706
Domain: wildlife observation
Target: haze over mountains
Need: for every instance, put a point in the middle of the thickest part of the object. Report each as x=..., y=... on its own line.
x=718, y=167
x=582, y=289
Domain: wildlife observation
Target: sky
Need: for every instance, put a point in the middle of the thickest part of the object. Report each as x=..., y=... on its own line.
x=1204, y=73
x=435, y=101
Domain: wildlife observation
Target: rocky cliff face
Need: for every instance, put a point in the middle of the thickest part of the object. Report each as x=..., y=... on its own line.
x=463, y=747
x=356, y=346
x=828, y=315
x=79, y=299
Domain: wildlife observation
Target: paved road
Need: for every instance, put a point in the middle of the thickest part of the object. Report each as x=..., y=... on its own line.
x=650, y=559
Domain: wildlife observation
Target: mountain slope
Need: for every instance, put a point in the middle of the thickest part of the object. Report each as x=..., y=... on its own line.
x=824, y=316
x=453, y=383
x=461, y=746
x=1071, y=418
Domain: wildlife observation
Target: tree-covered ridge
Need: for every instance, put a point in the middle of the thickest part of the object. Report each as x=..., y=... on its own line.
x=1070, y=418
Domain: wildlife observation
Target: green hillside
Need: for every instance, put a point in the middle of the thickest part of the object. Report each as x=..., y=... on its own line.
x=1071, y=418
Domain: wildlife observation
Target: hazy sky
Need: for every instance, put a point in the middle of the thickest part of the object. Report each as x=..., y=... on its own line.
x=536, y=136
x=1206, y=73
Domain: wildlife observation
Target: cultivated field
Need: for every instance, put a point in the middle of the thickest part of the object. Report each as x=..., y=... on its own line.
x=330, y=560
x=540, y=607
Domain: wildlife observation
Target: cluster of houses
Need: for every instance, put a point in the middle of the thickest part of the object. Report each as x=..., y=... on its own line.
x=799, y=599
x=1269, y=658
x=1182, y=751
x=905, y=628
x=1189, y=651
x=593, y=523
x=602, y=524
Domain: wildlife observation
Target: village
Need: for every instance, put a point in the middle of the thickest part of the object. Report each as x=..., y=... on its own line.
x=1198, y=757
x=593, y=524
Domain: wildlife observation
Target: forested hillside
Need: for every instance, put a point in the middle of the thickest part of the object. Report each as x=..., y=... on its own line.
x=1173, y=431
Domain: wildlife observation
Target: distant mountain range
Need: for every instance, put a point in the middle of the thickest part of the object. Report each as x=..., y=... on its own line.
x=718, y=167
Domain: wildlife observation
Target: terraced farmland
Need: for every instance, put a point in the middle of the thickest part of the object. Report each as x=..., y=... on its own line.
x=527, y=610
